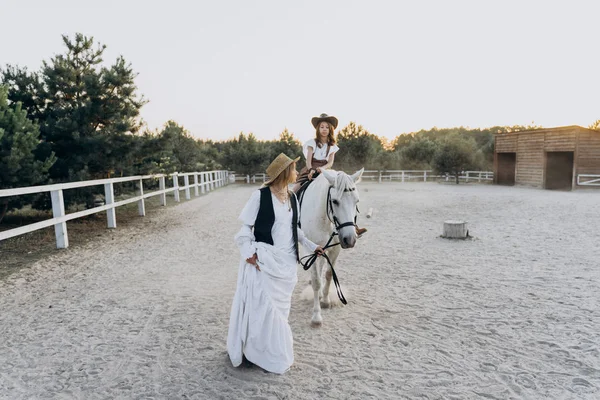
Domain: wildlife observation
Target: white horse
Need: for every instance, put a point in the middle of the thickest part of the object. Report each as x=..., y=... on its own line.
x=328, y=205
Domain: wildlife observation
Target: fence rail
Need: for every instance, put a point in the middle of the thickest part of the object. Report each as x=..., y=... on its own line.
x=202, y=182
x=588, y=180
x=258, y=177
x=425, y=176
x=388, y=175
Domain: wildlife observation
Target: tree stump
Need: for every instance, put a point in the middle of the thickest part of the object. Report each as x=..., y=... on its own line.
x=455, y=230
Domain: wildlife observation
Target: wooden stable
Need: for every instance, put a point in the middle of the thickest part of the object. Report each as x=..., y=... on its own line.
x=551, y=158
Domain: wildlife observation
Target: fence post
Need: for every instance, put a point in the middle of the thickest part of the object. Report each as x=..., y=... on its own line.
x=141, y=205
x=186, y=184
x=202, y=182
x=247, y=178
x=380, y=176
x=109, y=198
x=176, y=186
x=58, y=210
x=162, y=186
x=196, y=193
x=424, y=176
x=402, y=176
x=479, y=180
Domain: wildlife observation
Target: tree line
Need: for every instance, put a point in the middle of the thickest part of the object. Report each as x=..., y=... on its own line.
x=78, y=118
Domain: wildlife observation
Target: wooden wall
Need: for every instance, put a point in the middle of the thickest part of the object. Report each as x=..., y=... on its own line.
x=530, y=160
x=588, y=153
x=531, y=148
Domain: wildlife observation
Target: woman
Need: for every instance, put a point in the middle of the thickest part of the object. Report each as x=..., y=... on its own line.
x=268, y=240
x=320, y=153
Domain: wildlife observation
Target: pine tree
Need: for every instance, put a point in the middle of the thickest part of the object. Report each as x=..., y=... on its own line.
x=358, y=148
x=19, y=139
x=287, y=144
x=89, y=108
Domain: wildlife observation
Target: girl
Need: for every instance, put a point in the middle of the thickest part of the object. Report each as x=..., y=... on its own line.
x=268, y=242
x=320, y=153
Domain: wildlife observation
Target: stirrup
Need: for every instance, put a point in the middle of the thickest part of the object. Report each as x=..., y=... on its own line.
x=360, y=232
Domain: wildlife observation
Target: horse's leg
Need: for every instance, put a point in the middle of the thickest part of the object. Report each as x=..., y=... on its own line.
x=325, y=302
x=315, y=279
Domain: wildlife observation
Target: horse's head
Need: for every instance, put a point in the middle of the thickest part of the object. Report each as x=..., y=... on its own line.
x=342, y=204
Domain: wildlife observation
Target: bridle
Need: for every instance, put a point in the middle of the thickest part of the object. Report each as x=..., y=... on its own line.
x=332, y=216
x=312, y=258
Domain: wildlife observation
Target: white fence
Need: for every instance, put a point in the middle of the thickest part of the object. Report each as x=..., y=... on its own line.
x=202, y=182
x=390, y=175
x=588, y=180
x=426, y=176
x=233, y=178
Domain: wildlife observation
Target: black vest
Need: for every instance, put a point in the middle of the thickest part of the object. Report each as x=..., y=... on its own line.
x=266, y=219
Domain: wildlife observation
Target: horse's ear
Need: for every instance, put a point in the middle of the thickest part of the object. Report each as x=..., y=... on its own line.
x=356, y=177
x=330, y=175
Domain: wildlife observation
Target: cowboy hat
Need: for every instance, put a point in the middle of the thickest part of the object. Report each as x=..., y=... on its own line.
x=279, y=164
x=324, y=117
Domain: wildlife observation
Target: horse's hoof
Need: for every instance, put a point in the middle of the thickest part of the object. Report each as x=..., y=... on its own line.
x=316, y=324
x=325, y=305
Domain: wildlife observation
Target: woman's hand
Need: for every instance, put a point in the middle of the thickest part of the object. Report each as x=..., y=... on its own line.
x=319, y=250
x=254, y=261
x=310, y=174
x=319, y=170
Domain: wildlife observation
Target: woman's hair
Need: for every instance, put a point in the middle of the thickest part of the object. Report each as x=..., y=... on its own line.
x=330, y=137
x=284, y=177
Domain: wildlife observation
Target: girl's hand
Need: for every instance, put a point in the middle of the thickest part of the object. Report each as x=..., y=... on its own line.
x=319, y=170
x=310, y=174
x=253, y=260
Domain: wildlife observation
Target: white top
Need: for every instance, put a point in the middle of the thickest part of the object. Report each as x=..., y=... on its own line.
x=319, y=153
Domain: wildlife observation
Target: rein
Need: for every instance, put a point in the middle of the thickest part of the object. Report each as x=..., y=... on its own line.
x=312, y=258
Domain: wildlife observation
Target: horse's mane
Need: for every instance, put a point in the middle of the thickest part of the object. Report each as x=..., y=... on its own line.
x=343, y=182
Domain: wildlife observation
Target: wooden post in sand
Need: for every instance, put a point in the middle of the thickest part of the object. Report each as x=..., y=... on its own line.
x=455, y=230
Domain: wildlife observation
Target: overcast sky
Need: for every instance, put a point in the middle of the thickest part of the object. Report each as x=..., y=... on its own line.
x=222, y=67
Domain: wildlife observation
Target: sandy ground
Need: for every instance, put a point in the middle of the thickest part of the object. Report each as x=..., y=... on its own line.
x=143, y=314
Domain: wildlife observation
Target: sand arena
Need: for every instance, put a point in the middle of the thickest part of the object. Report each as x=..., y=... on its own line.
x=512, y=314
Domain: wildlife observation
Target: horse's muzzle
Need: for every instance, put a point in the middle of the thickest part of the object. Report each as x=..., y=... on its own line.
x=347, y=241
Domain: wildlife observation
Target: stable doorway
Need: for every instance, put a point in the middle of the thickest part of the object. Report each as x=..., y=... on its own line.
x=559, y=170
x=507, y=166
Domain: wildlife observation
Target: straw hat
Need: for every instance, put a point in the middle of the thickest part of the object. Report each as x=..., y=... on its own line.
x=324, y=117
x=278, y=165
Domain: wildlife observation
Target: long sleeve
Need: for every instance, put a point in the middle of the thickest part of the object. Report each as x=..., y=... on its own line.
x=245, y=239
x=304, y=241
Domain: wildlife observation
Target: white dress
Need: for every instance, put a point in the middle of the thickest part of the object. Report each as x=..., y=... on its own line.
x=319, y=153
x=258, y=325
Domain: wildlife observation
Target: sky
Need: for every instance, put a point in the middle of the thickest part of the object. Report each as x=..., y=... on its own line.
x=224, y=67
